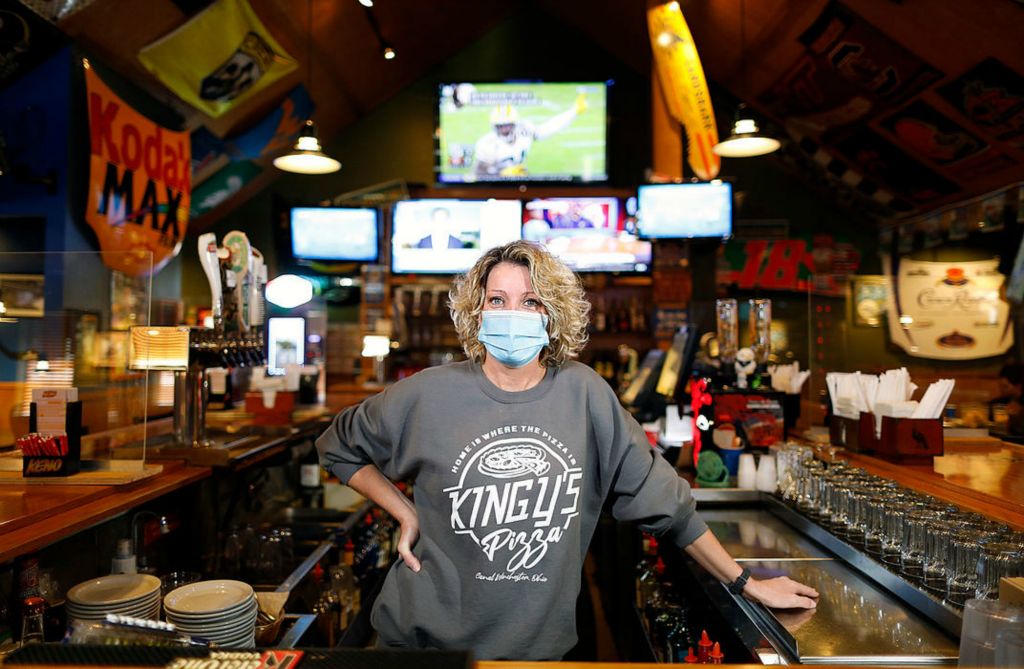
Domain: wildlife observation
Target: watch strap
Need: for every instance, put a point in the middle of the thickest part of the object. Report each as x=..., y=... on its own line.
x=736, y=587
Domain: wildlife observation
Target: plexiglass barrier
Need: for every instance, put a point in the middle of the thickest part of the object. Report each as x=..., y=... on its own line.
x=64, y=324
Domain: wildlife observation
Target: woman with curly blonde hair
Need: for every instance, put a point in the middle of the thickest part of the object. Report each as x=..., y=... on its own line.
x=513, y=454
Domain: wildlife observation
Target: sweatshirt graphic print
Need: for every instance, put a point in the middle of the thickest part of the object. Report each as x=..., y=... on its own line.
x=508, y=490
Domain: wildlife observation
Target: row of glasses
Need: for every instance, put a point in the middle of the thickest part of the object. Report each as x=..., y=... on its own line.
x=953, y=554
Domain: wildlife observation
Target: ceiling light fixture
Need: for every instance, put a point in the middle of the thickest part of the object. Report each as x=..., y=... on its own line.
x=389, y=53
x=366, y=3
x=746, y=140
x=307, y=155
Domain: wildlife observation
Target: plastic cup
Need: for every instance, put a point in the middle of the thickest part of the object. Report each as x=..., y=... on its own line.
x=746, y=472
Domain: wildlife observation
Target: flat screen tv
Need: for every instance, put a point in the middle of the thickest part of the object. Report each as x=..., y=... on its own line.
x=335, y=234
x=500, y=132
x=586, y=233
x=446, y=236
x=685, y=211
x=286, y=342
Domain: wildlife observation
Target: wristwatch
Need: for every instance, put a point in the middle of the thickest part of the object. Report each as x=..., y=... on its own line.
x=736, y=587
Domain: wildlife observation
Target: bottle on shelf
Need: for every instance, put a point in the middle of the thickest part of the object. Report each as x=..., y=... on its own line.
x=600, y=317
x=311, y=485
x=678, y=641
x=345, y=586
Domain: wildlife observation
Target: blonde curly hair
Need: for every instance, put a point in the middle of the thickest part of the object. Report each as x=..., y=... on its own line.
x=557, y=287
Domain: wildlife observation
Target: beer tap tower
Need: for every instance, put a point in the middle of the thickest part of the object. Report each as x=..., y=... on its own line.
x=237, y=277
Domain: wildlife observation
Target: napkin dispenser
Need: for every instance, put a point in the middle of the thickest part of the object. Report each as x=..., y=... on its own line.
x=856, y=435
x=910, y=440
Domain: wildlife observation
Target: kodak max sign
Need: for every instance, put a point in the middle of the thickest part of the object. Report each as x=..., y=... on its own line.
x=140, y=181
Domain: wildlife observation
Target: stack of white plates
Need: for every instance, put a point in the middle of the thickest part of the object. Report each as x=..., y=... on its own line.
x=223, y=612
x=136, y=595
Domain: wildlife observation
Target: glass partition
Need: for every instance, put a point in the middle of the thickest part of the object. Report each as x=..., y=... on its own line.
x=64, y=324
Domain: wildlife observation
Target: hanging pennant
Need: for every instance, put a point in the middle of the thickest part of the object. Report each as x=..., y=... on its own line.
x=686, y=91
x=139, y=183
x=218, y=59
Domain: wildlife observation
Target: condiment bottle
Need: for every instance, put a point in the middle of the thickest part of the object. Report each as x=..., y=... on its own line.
x=704, y=647
x=716, y=654
x=690, y=657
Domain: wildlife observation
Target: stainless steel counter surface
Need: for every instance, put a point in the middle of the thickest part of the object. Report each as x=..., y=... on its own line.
x=753, y=534
x=855, y=621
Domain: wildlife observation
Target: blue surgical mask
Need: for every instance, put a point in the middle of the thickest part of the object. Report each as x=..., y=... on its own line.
x=513, y=338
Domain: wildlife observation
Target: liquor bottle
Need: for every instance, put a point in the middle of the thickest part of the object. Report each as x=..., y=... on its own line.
x=645, y=567
x=648, y=586
x=677, y=638
x=600, y=317
x=343, y=583
x=623, y=318
x=311, y=487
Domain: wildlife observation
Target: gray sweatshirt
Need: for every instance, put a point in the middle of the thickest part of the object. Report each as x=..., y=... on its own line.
x=508, y=489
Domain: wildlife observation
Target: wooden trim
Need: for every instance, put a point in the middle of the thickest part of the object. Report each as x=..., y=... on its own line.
x=923, y=479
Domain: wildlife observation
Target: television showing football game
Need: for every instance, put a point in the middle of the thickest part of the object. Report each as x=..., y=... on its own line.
x=687, y=210
x=446, y=236
x=495, y=132
x=587, y=233
x=341, y=234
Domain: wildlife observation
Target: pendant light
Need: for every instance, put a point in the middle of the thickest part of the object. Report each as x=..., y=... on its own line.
x=307, y=156
x=746, y=139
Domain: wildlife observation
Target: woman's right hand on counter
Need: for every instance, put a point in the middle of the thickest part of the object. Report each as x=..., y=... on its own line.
x=781, y=592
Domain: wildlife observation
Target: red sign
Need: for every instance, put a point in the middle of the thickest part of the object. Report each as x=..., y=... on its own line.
x=140, y=178
x=819, y=265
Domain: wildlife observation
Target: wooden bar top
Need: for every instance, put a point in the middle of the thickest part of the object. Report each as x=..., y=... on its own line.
x=34, y=516
x=986, y=478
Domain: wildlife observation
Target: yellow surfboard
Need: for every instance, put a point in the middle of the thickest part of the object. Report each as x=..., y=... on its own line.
x=686, y=90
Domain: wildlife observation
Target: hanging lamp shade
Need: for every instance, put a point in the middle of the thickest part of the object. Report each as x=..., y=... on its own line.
x=307, y=156
x=746, y=139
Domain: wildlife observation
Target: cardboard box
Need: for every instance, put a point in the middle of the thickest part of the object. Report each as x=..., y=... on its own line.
x=1011, y=590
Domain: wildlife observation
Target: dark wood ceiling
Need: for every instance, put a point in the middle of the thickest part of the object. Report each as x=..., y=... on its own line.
x=350, y=78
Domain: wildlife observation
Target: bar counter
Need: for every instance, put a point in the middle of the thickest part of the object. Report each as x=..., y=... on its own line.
x=33, y=516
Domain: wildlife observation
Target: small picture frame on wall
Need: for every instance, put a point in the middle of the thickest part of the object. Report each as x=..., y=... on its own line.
x=22, y=295
x=868, y=296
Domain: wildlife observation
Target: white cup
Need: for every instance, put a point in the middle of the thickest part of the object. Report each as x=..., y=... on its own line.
x=746, y=473
x=766, y=478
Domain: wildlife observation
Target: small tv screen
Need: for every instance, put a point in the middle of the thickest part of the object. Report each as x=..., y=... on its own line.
x=681, y=211
x=587, y=233
x=446, y=236
x=341, y=234
x=495, y=132
x=286, y=343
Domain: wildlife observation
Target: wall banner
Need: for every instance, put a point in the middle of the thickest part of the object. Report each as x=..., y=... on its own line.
x=948, y=310
x=219, y=58
x=139, y=182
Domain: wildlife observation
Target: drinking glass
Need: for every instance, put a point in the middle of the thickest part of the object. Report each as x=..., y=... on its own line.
x=176, y=579
x=998, y=559
x=916, y=525
x=962, y=580
x=728, y=321
x=934, y=571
